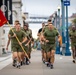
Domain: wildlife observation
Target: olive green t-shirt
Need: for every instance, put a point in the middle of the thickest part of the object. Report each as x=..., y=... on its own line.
x=28, y=32
x=20, y=35
x=50, y=35
x=72, y=36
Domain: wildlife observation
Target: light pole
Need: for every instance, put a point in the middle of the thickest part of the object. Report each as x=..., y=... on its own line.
x=67, y=52
x=58, y=27
x=63, y=26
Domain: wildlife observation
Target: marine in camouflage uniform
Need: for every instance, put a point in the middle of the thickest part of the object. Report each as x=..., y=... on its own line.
x=28, y=33
x=8, y=42
x=15, y=45
x=72, y=34
x=46, y=28
x=50, y=39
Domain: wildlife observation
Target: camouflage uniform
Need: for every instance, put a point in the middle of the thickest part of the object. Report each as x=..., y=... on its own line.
x=72, y=37
x=50, y=35
x=14, y=43
x=28, y=33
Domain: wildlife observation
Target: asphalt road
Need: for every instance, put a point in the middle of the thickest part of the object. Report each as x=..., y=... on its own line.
x=63, y=66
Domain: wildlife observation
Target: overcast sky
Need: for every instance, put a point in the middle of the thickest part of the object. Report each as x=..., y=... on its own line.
x=45, y=7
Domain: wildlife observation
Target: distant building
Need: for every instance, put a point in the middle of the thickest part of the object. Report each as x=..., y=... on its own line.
x=72, y=17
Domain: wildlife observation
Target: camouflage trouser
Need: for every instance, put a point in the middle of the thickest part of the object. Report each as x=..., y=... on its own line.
x=49, y=47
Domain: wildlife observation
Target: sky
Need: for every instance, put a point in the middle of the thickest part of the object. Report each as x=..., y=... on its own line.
x=46, y=7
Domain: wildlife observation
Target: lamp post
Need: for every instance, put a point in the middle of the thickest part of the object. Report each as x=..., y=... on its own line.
x=63, y=26
x=58, y=27
x=67, y=52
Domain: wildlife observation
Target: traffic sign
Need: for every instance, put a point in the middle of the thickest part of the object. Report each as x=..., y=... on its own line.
x=66, y=2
